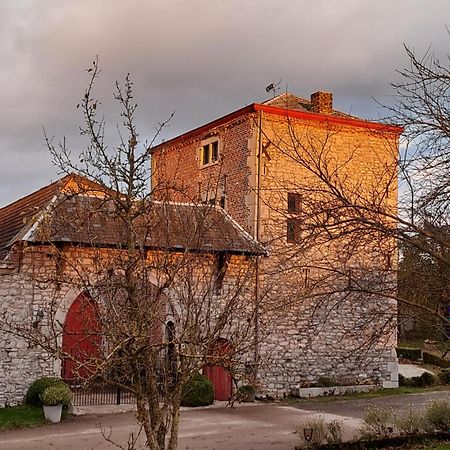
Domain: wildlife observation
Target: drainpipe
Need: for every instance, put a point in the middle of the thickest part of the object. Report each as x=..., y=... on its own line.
x=257, y=236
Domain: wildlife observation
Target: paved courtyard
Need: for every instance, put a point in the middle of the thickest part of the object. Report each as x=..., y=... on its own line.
x=254, y=426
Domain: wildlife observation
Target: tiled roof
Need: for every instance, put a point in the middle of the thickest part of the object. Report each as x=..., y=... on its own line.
x=294, y=103
x=95, y=221
x=17, y=216
x=92, y=220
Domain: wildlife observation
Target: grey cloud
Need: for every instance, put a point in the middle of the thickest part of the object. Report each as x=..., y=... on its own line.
x=200, y=58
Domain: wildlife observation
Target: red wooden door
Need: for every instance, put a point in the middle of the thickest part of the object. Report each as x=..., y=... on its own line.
x=221, y=380
x=219, y=376
x=81, y=339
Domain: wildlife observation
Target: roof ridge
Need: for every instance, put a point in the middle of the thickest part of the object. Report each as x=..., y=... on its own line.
x=280, y=96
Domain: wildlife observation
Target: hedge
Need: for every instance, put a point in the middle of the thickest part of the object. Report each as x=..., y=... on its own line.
x=429, y=358
x=414, y=354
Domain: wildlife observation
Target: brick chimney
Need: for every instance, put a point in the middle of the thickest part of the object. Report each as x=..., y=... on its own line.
x=322, y=102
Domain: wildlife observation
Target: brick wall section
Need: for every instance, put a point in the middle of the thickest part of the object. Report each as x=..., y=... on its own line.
x=299, y=341
x=178, y=169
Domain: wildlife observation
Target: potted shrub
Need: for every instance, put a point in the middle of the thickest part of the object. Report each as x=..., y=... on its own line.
x=53, y=399
x=38, y=387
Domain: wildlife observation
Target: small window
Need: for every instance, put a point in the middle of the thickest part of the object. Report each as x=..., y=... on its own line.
x=293, y=231
x=294, y=203
x=214, y=151
x=210, y=153
x=305, y=271
x=388, y=261
x=221, y=267
x=206, y=156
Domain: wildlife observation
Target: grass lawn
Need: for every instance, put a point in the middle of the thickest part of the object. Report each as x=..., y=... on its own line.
x=374, y=394
x=23, y=416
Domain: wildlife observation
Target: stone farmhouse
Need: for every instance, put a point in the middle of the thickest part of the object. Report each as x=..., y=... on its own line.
x=272, y=186
x=61, y=244
x=291, y=171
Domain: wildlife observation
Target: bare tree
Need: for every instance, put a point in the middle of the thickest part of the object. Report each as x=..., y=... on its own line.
x=164, y=295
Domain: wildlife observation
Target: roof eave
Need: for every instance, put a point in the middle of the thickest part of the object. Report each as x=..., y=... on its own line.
x=199, y=130
x=305, y=115
x=328, y=118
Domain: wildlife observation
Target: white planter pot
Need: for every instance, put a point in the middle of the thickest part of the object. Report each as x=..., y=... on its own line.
x=53, y=413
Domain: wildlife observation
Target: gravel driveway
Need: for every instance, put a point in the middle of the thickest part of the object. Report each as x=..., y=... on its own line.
x=247, y=427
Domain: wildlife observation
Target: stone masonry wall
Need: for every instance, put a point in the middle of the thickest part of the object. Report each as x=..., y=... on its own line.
x=48, y=279
x=322, y=327
x=20, y=299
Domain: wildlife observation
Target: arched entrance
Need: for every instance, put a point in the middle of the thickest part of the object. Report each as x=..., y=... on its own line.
x=217, y=371
x=81, y=339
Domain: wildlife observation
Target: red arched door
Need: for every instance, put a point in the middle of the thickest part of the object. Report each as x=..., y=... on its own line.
x=219, y=376
x=81, y=339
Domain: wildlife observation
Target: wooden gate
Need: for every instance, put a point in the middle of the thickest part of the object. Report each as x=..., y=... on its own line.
x=217, y=372
x=81, y=339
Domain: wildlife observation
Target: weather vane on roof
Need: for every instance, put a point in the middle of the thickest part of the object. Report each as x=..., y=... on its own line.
x=274, y=87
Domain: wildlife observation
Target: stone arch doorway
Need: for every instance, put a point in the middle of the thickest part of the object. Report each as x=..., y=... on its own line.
x=217, y=371
x=81, y=339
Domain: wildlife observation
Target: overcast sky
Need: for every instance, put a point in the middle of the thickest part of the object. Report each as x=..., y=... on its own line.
x=198, y=58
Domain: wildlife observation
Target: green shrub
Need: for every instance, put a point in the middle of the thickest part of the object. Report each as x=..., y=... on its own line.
x=437, y=415
x=429, y=358
x=426, y=379
x=444, y=376
x=35, y=391
x=378, y=423
x=56, y=395
x=413, y=354
x=246, y=393
x=198, y=391
x=326, y=382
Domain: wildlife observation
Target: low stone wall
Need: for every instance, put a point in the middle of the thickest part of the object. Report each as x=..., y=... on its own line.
x=331, y=391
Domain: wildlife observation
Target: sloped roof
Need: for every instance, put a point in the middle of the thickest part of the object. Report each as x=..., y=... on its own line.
x=16, y=216
x=93, y=220
x=294, y=103
x=285, y=105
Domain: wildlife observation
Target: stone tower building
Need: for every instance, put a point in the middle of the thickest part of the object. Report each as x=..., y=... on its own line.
x=316, y=187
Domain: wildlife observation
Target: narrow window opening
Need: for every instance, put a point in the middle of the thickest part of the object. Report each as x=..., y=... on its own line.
x=222, y=261
x=171, y=355
x=206, y=154
x=305, y=277
x=293, y=231
x=294, y=203
x=215, y=151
